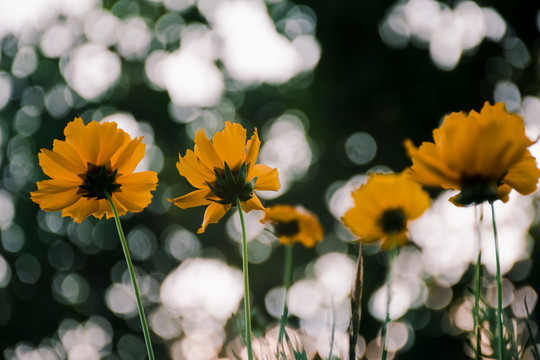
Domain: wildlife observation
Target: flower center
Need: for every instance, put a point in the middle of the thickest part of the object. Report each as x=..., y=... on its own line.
x=476, y=190
x=393, y=221
x=230, y=185
x=97, y=181
x=289, y=228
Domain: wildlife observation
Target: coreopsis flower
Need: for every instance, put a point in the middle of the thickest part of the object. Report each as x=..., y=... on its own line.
x=383, y=207
x=222, y=170
x=294, y=224
x=482, y=154
x=94, y=159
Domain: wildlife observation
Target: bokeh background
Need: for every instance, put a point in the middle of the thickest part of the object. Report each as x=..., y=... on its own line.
x=334, y=88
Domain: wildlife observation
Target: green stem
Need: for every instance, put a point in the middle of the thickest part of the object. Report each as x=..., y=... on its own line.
x=140, y=307
x=499, y=286
x=246, y=281
x=478, y=286
x=393, y=253
x=287, y=284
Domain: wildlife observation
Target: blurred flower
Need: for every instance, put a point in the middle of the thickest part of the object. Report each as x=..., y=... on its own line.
x=222, y=170
x=382, y=208
x=482, y=154
x=93, y=159
x=294, y=224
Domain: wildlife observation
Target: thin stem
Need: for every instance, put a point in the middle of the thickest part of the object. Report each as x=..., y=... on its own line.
x=140, y=307
x=393, y=253
x=499, y=285
x=478, y=284
x=246, y=281
x=287, y=284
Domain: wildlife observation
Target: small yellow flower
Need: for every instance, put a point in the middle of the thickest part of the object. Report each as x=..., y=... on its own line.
x=93, y=158
x=294, y=224
x=383, y=207
x=223, y=169
x=482, y=154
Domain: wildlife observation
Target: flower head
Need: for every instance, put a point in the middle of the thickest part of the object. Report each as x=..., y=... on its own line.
x=294, y=224
x=93, y=159
x=223, y=169
x=383, y=207
x=482, y=154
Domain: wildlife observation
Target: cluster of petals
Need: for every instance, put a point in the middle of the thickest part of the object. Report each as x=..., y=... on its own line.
x=294, y=224
x=385, y=194
x=476, y=152
x=209, y=159
x=100, y=145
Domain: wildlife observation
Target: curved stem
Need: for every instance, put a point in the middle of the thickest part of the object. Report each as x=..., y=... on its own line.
x=246, y=281
x=287, y=284
x=499, y=286
x=393, y=253
x=140, y=307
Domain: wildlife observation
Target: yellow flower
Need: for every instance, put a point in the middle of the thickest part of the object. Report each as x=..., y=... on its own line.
x=223, y=169
x=383, y=207
x=482, y=154
x=92, y=159
x=294, y=224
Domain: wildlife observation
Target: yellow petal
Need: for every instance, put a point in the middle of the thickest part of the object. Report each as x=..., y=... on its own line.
x=196, y=173
x=524, y=175
x=84, y=139
x=132, y=201
x=362, y=225
x=205, y=151
x=452, y=145
x=111, y=140
x=134, y=193
x=214, y=212
x=267, y=178
x=105, y=209
x=253, y=146
x=54, y=195
x=194, y=198
x=428, y=168
x=57, y=167
x=230, y=144
x=252, y=204
x=69, y=153
x=126, y=159
x=80, y=210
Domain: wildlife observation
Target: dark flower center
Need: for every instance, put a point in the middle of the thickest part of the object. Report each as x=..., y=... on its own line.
x=230, y=185
x=289, y=228
x=97, y=181
x=476, y=190
x=393, y=221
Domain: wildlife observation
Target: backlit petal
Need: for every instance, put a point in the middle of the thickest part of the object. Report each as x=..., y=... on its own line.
x=126, y=159
x=524, y=175
x=57, y=167
x=230, y=145
x=110, y=141
x=196, y=173
x=194, y=198
x=252, y=204
x=267, y=178
x=67, y=151
x=428, y=168
x=214, y=212
x=205, y=151
x=80, y=210
x=252, y=152
x=54, y=195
